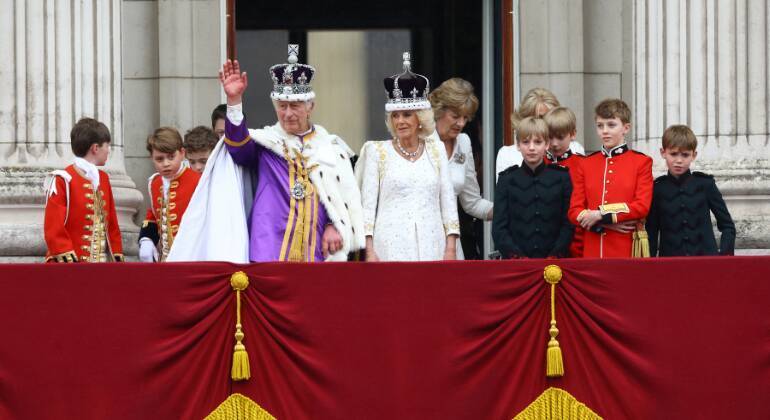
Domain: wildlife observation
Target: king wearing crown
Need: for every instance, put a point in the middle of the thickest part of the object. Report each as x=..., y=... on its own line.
x=305, y=206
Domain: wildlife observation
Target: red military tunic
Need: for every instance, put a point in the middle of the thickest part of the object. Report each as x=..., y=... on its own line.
x=617, y=182
x=570, y=160
x=80, y=223
x=164, y=216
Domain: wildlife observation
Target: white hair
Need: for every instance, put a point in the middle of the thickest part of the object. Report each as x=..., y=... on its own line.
x=308, y=103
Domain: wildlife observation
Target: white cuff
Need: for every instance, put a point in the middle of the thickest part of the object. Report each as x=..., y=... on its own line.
x=235, y=113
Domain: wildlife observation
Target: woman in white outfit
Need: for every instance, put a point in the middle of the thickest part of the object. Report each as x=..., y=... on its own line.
x=410, y=211
x=536, y=103
x=454, y=104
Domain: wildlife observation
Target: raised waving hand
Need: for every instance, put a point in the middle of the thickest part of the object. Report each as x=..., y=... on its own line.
x=233, y=81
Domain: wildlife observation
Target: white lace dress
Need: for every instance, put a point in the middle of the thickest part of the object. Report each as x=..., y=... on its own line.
x=409, y=207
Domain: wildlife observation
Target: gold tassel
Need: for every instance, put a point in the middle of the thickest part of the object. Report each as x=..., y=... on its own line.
x=641, y=244
x=298, y=244
x=240, y=370
x=635, y=245
x=554, y=364
x=298, y=239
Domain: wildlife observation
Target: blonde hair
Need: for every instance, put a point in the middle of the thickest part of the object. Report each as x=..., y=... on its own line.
x=164, y=140
x=561, y=122
x=529, y=127
x=425, y=120
x=457, y=95
x=531, y=105
x=679, y=137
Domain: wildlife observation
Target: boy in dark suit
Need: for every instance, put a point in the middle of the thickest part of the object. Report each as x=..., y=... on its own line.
x=531, y=201
x=679, y=222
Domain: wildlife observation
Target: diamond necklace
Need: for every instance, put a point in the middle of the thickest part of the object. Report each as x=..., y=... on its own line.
x=410, y=155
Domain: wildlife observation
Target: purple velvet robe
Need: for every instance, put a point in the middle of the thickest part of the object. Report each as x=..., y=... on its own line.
x=270, y=213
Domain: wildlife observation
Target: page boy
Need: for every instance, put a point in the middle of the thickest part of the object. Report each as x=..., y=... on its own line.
x=80, y=220
x=682, y=201
x=562, y=130
x=531, y=201
x=612, y=189
x=198, y=144
x=170, y=190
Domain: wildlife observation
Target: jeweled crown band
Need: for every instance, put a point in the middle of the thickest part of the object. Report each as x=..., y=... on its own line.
x=291, y=81
x=408, y=90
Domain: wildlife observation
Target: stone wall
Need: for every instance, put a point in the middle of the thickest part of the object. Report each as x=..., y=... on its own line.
x=51, y=75
x=704, y=64
x=172, y=51
x=700, y=63
x=578, y=49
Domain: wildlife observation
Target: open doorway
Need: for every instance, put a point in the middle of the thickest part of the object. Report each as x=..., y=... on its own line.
x=354, y=45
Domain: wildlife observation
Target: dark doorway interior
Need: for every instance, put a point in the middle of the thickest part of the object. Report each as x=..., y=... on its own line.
x=445, y=35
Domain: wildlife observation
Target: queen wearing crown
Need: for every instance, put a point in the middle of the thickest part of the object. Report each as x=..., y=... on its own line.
x=305, y=206
x=410, y=211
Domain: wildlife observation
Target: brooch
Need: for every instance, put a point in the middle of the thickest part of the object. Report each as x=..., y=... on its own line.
x=460, y=158
x=298, y=191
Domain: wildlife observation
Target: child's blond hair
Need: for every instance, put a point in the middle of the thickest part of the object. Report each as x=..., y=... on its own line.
x=561, y=122
x=532, y=105
x=532, y=127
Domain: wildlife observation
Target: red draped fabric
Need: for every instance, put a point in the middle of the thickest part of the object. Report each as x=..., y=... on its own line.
x=641, y=339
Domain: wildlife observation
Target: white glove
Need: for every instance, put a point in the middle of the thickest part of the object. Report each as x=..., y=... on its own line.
x=148, y=252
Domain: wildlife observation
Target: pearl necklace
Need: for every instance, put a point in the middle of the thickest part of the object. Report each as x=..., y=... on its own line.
x=411, y=155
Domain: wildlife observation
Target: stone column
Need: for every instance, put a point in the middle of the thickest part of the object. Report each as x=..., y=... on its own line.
x=552, y=39
x=705, y=63
x=60, y=61
x=578, y=50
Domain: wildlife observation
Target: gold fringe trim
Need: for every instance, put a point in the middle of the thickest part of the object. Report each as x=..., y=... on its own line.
x=240, y=370
x=554, y=365
x=239, y=407
x=556, y=404
x=641, y=242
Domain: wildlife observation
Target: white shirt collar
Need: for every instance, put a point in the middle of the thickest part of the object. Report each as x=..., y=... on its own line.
x=91, y=171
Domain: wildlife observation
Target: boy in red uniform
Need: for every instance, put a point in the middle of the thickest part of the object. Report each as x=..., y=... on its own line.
x=80, y=220
x=562, y=129
x=612, y=188
x=170, y=190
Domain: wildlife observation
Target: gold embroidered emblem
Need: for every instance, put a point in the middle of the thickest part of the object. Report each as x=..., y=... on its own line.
x=614, y=208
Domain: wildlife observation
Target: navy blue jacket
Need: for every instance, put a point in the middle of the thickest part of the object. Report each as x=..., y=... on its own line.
x=530, y=217
x=679, y=222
